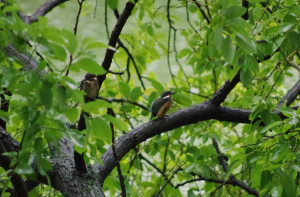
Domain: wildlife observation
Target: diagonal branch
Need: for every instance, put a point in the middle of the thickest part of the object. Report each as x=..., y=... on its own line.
x=202, y=11
x=290, y=96
x=226, y=88
x=114, y=39
x=42, y=10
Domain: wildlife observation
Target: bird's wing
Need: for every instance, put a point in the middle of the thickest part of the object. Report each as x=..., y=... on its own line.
x=156, y=105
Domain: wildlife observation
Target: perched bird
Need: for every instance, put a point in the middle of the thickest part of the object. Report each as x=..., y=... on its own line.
x=161, y=106
x=91, y=86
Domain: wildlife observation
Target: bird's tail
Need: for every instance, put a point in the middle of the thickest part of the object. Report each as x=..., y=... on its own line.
x=151, y=117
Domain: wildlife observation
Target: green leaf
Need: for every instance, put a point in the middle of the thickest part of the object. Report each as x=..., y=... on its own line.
x=246, y=76
x=101, y=130
x=248, y=61
x=182, y=99
x=113, y=4
x=23, y=169
x=43, y=166
x=94, y=106
x=96, y=45
x=246, y=43
x=296, y=167
x=150, y=29
x=70, y=41
x=46, y=95
x=75, y=136
x=183, y=52
x=269, y=126
x=140, y=59
x=265, y=178
x=289, y=2
x=155, y=84
x=219, y=36
x=54, y=34
x=135, y=93
x=234, y=165
x=118, y=123
x=234, y=11
x=124, y=89
x=228, y=49
x=38, y=146
x=289, y=186
x=72, y=114
x=266, y=116
x=192, y=8
x=287, y=111
x=286, y=27
x=59, y=52
x=88, y=65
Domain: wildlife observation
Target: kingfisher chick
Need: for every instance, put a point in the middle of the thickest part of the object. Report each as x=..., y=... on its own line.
x=162, y=105
x=91, y=86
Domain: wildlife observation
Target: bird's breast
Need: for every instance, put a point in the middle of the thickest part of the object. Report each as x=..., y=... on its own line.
x=165, y=108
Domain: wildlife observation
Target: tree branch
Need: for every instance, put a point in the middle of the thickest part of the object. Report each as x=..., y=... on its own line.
x=226, y=88
x=121, y=177
x=290, y=96
x=110, y=100
x=15, y=179
x=114, y=39
x=232, y=179
x=41, y=11
x=204, y=111
x=202, y=12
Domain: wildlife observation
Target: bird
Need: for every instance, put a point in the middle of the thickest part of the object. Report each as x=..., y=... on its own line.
x=91, y=86
x=162, y=105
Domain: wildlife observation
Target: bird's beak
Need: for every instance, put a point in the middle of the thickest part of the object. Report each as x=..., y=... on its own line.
x=173, y=93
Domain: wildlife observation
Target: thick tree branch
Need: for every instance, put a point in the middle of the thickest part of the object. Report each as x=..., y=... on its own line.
x=42, y=11
x=290, y=96
x=29, y=63
x=78, y=184
x=114, y=39
x=204, y=111
x=226, y=88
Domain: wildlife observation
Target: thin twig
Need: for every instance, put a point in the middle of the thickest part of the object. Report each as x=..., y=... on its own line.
x=178, y=169
x=75, y=32
x=121, y=177
x=115, y=73
x=110, y=100
x=169, y=41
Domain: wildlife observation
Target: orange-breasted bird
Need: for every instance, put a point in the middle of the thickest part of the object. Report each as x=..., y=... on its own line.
x=90, y=85
x=162, y=105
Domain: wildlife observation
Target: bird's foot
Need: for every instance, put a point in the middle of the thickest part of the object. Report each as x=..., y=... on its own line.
x=162, y=117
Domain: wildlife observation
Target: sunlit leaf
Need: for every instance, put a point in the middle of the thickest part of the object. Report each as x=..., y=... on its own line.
x=228, y=49
x=124, y=89
x=88, y=65
x=135, y=93
x=156, y=84
x=118, y=123
x=246, y=43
